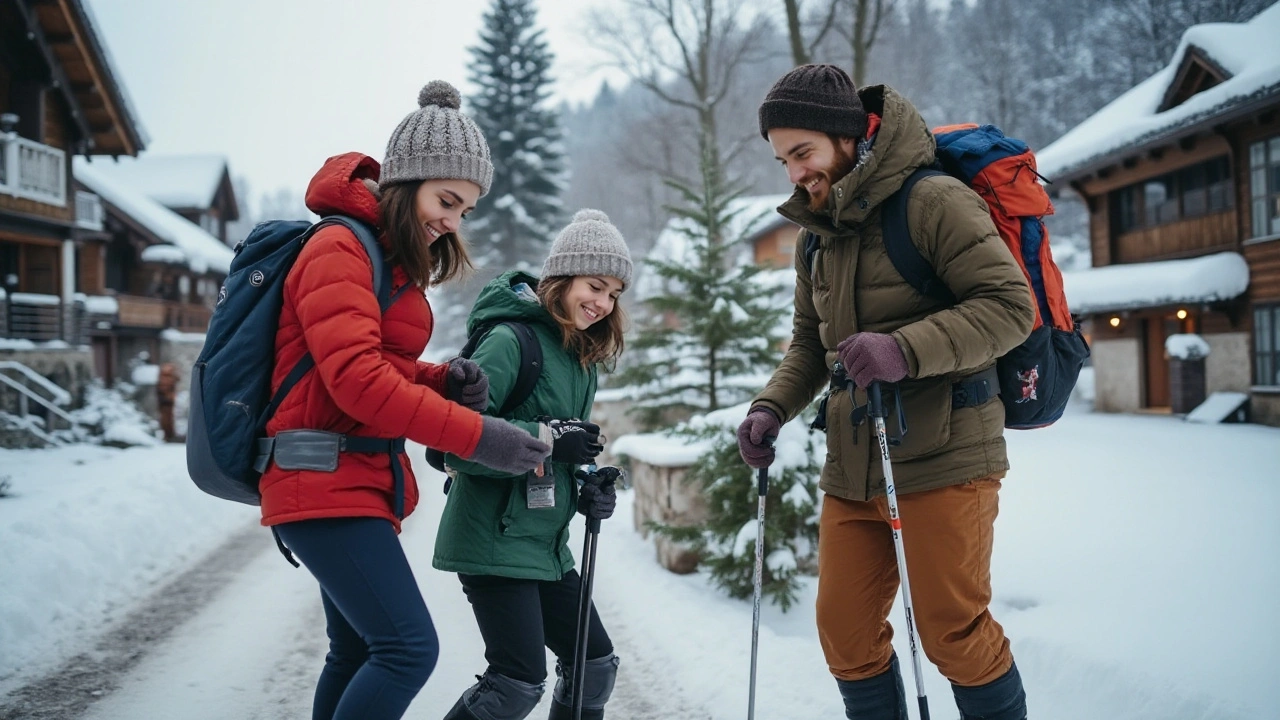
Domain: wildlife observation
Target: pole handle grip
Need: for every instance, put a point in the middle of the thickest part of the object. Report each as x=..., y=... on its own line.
x=924, y=707
x=762, y=474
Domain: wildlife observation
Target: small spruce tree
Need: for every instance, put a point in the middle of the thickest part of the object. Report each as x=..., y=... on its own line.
x=712, y=320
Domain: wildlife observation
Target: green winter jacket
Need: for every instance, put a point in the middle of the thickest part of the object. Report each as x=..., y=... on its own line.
x=853, y=287
x=487, y=527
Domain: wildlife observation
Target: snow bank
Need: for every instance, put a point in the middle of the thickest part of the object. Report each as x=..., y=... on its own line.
x=88, y=530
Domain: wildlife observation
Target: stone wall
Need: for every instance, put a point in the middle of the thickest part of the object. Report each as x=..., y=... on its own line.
x=1264, y=408
x=70, y=368
x=1117, y=375
x=662, y=496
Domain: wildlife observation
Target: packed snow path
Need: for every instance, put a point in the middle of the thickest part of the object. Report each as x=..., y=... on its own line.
x=241, y=635
x=1135, y=571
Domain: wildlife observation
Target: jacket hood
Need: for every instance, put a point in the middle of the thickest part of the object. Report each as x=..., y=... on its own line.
x=498, y=301
x=339, y=188
x=902, y=143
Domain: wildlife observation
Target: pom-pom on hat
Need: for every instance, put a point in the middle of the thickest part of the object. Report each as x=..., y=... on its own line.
x=589, y=245
x=437, y=142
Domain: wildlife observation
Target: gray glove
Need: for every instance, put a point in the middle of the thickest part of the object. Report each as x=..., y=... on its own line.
x=467, y=384
x=507, y=448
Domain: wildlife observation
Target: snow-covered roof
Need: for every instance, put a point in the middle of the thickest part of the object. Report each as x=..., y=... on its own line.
x=174, y=181
x=1249, y=52
x=1221, y=276
x=203, y=252
x=752, y=215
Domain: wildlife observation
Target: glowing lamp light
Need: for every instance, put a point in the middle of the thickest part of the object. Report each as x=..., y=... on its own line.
x=1115, y=321
x=1182, y=314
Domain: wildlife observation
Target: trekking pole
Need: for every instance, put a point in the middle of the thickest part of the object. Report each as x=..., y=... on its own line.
x=878, y=413
x=762, y=489
x=584, y=610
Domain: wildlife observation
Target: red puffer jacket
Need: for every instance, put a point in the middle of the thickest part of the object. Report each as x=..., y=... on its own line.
x=368, y=380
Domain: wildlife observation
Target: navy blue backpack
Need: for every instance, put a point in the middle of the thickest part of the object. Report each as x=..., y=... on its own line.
x=231, y=398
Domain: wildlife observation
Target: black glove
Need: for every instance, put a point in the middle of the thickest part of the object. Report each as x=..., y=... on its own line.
x=467, y=385
x=574, y=441
x=597, y=497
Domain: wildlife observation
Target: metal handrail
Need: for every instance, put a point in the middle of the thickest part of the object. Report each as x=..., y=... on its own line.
x=26, y=394
x=57, y=394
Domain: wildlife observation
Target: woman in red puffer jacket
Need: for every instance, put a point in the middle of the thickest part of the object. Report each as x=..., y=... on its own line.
x=338, y=506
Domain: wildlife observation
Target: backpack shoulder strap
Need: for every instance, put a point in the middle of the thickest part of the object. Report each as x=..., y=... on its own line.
x=367, y=238
x=530, y=367
x=811, y=244
x=904, y=255
x=530, y=361
x=382, y=288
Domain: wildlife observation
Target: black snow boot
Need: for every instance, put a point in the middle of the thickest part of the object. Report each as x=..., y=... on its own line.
x=597, y=683
x=496, y=697
x=877, y=698
x=1000, y=699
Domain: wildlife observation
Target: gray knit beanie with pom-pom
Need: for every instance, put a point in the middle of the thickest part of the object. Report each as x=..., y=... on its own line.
x=437, y=142
x=589, y=245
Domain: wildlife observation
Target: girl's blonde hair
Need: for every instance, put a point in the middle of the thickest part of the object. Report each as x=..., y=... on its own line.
x=601, y=343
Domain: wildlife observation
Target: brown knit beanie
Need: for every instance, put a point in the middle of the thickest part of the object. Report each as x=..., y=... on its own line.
x=814, y=97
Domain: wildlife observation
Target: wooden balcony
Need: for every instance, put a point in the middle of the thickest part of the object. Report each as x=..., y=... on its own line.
x=32, y=170
x=188, y=317
x=142, y=312
x=30, y=316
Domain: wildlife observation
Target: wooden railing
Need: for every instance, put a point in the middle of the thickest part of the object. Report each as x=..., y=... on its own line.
x=34, y=317
x=39, y=318
x=189, y=318
x=32, y=170
x=136, y=311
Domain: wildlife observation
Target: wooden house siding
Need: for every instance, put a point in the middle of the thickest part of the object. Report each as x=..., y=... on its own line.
x=1264, y=270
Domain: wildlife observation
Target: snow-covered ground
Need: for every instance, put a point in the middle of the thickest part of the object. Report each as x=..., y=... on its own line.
x=1136, y=571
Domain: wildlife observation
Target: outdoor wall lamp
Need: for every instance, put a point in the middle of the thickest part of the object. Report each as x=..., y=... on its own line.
x=1114, y=321
x=1182, y=314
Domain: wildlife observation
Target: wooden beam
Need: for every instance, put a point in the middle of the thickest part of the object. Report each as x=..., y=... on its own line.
x=60, y=82
x=60, y=38
x=85, y=52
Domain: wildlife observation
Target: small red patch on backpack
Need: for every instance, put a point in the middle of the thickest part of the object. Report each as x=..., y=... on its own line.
x=1029, y=380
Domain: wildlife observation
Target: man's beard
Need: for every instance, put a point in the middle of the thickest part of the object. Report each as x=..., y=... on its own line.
x=842, y=164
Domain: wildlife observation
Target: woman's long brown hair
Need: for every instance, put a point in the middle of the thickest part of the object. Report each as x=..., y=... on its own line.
x=427, y=263
x=600, y=343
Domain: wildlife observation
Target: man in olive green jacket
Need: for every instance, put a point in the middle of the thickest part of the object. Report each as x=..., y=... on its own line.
x=847, y=151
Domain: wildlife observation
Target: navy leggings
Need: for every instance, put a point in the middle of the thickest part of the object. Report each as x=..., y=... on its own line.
x=382, y=644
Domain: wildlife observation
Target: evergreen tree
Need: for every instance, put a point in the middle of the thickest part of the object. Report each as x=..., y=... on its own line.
x=726, y=540
x=713, y=318
x=517, y=220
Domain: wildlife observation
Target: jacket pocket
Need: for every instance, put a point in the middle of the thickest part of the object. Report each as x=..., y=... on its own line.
x=926, y=405
x=521, y=521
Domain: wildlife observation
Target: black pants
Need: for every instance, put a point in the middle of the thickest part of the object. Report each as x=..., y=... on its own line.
x=520, y=618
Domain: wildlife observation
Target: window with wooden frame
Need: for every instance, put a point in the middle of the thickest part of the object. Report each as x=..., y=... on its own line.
x=1191, y=192
x=1264, y=187
x=1266, y=345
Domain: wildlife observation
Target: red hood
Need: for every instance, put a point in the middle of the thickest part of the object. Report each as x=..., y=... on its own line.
x=338, y=188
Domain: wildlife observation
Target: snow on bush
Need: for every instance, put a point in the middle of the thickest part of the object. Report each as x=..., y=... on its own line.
x=1186, y=347
x=113, y=419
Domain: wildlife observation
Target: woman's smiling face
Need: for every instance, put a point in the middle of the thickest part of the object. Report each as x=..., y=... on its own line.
x=442, y=204
x=591, y=298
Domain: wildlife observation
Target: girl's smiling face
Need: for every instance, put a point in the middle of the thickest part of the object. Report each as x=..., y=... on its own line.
x=591, y=298
x=441, y=205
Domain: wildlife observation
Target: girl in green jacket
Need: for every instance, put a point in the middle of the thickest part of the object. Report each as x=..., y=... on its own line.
x=507, y=535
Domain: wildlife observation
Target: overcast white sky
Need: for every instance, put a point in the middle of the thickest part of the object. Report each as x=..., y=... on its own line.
x=279, y=85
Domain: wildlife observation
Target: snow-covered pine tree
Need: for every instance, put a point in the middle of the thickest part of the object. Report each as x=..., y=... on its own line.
x=517, y=220
x=713, y=323
x=726, y=540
